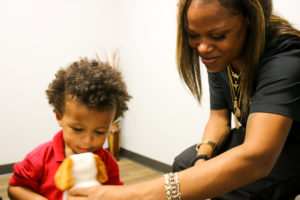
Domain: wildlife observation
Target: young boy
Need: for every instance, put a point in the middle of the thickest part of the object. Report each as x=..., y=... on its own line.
x=87, y=97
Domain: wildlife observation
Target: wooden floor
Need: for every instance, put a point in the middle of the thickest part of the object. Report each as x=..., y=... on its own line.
x=130, y=172
x=3, y=185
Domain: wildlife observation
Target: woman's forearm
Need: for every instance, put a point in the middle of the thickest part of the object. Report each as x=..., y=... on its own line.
x=149, y=190
x=220, y=175
x=212, y=178
x=216, y=130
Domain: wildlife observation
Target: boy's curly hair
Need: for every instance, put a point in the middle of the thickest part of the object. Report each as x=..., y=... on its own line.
x=95, y=84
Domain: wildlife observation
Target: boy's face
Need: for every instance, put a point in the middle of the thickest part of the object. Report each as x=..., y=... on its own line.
x=84, y=129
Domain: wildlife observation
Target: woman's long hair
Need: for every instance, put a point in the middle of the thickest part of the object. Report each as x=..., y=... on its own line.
x=263, y=25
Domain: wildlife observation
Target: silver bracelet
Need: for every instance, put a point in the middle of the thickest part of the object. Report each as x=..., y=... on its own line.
x=172, y=187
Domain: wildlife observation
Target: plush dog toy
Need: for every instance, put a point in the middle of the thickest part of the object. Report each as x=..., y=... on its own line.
x=80, y=170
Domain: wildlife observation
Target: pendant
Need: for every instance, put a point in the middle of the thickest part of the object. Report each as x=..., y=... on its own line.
x=236, y=121
x=236, y=109
x=237, y=112
x=236, y=76
x=235, y=85
x=235, y=104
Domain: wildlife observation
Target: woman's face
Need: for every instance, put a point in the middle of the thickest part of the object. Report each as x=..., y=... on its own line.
x=216, y=34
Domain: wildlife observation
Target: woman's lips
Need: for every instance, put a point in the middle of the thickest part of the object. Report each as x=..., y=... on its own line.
x=209, y=61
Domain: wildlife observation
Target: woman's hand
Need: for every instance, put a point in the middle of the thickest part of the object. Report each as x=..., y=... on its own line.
x=99, y=192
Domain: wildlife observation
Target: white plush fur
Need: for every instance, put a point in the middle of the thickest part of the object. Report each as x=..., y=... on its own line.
x=84, y=171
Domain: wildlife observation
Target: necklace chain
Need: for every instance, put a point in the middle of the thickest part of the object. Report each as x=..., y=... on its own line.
x=236, y=93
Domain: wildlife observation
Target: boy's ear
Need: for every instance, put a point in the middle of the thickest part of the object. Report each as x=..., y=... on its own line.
x=58, y=117
x=63, y=177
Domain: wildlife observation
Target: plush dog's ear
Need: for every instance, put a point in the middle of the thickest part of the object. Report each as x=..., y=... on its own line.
x=63, y=177
x=102, y=173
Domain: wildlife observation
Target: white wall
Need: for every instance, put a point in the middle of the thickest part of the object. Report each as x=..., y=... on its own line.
x=288, y=9
x=38, y=37
x=163, y=118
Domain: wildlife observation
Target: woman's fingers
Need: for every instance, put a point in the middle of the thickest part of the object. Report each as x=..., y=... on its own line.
x=77, y=198
x=82, y=192
x=98, y=192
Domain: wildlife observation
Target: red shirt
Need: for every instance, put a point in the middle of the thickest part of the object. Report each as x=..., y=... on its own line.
x=38, y=168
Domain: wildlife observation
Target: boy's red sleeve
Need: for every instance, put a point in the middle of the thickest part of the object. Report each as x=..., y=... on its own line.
x=26, y=174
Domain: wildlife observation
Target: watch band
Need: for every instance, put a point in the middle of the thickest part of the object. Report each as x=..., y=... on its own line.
x=201, y=156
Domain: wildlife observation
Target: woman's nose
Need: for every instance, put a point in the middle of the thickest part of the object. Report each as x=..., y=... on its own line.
x=204, y=48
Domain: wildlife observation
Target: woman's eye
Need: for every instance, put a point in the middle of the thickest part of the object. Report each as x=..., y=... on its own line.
x=218, y=37
x=192, y=36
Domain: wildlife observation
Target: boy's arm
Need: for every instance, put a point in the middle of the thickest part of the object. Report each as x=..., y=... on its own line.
x=23, y=193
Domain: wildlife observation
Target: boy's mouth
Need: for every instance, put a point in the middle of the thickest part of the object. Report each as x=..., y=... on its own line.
x=83, y=150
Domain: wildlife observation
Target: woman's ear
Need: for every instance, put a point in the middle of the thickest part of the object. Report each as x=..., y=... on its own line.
x=63, y=176
x=58, y=118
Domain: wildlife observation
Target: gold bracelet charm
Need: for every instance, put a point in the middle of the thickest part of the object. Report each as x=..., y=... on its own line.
x=172, y=187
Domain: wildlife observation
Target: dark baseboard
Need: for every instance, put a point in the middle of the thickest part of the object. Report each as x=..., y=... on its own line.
x=153, y=164
x=6, y=169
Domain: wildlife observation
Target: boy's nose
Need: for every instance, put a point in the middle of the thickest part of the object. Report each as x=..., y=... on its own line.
x=87, y=138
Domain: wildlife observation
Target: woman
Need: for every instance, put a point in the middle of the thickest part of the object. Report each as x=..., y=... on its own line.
x=253, y=63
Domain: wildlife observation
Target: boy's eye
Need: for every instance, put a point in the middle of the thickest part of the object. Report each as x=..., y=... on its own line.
x=218, y=37
x=77, y=129
x=100, y=132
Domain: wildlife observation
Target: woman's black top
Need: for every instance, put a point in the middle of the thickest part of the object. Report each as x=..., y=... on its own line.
x=277, y=90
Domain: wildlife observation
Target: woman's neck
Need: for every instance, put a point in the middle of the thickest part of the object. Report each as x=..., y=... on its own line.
x=236, y=66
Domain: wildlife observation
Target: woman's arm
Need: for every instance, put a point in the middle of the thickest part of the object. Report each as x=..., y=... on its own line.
x=23, y=193
x=216, y=130
x=265, y=136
